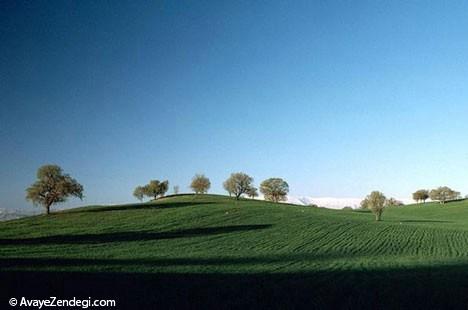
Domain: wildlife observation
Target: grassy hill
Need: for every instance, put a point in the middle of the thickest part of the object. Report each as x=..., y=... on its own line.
x=191, y=251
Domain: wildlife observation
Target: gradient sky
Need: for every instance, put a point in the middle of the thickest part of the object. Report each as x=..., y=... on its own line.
x=337, y=97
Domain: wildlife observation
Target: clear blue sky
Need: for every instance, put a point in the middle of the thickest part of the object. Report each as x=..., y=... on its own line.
x=337, y=97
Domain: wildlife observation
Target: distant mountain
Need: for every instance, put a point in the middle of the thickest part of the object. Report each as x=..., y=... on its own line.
x=327, y=202
x=11, y=214
x=331, y=202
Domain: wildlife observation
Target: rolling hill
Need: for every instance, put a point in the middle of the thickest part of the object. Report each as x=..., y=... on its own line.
x=190, y=251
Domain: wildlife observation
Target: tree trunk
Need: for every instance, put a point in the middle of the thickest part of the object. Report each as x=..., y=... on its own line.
x=377, y=217
x=48, y=208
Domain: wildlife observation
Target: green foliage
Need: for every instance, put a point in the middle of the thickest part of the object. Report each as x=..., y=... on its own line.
x=153, y=189
x=238, y=184
x=364, y=205
x=52, y=186
x=443, y=194
x=421, y=195
x=156, y=188
x=274, y=189
x=200, y=184
x=139, y=193
x=252, y=192
x=376, y=203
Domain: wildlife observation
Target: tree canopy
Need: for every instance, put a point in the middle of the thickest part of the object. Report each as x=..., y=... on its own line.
x=364, y=204
x=52, y=186
x=139, y=193
x=421, y=195
x=200, y=184
x=252, y=192
x=274, y=189
x=153, y=189
x=238, y=184
x=443, y=194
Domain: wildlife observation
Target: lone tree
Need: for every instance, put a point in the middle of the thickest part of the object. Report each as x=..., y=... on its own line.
x=200, y=184
x=153, y=189
x=421, y=195
x=52, y=186
x=376, y=203
x=443, y=194
x=252, y=192
x=238, y=184
x=175, y=189
x=274, y=189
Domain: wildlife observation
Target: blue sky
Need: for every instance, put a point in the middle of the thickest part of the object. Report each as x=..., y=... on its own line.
x=337, y=97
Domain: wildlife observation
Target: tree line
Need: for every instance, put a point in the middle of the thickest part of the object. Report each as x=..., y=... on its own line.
x=377, y=202
x=238, y=184
x=441, y=194
x=53, y=186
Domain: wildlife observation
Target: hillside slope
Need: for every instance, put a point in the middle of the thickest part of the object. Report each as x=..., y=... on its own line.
x=195, y=251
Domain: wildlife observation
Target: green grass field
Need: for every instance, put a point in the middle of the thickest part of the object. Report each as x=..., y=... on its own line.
x=200, y=251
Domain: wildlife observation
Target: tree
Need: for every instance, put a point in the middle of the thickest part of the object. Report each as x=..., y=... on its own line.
x=364, y=204
x=229, y=185
x=252, y=192
x=392, y=202
x=238, y=184
x=274, y=189
x=52, y=186
x=421, y=195
x=139, y=192
x=443, y=193
x=154, y=189
x=200, y=184
x=376, y=203
x=176, y=189
x=163, y=188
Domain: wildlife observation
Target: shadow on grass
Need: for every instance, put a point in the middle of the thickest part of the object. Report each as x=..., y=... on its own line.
x=362, y=211
x=131, y=235
x=139, y=206
x=174, y=262
x=424, y=221
x=436, y=287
